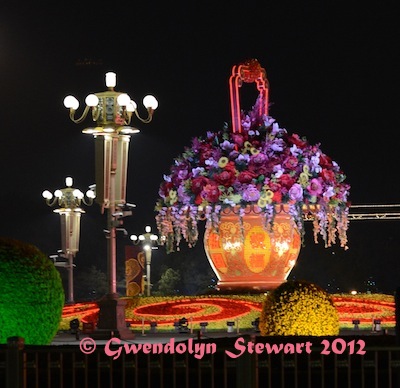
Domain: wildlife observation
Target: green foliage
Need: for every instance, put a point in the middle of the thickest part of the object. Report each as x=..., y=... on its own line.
x=299, y=308
x=167, y=285
x=31, y=293
x=195, y=280
x=90, y=283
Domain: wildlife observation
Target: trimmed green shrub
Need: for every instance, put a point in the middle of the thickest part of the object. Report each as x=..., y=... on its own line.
x=299, y=308
x=31, y=293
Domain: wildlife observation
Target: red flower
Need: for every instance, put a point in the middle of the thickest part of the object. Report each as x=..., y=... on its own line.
x=290, y=163
x=238, y=139
x=327, y=175
x=325, y=161
x=211, y=192
x=286, y=180
x=277, y=197
x=230, y=167
x=246, y=176
x=295, y=139
x=206, y=152
x=198, y=184
x=225, y=178
x=274, y=186
x=198, y=200
x=165, y=188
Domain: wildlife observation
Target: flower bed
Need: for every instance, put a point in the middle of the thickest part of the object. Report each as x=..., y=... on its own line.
x=365, y=308
x=194, y=309
x=218, y=310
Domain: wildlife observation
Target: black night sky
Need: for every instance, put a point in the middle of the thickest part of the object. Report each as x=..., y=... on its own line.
x=333, y=73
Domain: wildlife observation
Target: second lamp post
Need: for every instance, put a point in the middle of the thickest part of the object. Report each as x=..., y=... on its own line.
x=147, y=240
x=69, y=202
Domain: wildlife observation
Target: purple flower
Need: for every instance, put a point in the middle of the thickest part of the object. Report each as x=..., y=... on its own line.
x=245, y=158
x=182, y=196
x=328, y=193
x=258, y=159
x=246, y=123
x=182, y=174
x=278, y=145
x=296, y=192
x=268, y=121
x=278, y=170
x=227, y=146
x=315, y=163
x=276, y=129
x=234, y=154
x=211, y=163
x=197, y=171
x=195, y=144
x=251, y=193
x=295, y=151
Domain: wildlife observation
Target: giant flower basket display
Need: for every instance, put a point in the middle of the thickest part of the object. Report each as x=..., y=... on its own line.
x=253, y=184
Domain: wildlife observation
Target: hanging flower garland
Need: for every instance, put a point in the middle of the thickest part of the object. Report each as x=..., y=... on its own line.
x=263, y=167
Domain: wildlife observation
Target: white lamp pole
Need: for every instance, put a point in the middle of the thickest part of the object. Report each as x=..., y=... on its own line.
x=112, y=112
x=147, y=240
x=69, y=201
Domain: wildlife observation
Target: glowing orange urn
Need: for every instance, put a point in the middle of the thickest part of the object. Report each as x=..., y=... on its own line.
x=247, y=255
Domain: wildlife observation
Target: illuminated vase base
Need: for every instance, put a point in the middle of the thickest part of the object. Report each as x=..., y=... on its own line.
x=245, y=257
x=256, y=286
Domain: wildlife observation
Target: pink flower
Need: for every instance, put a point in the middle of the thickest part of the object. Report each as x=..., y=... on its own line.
x=315, y=187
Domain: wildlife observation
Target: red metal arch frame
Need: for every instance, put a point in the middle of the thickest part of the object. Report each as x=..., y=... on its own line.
x=249, y=71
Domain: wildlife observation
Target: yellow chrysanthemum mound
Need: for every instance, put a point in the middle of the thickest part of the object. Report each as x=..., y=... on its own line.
x=299, y=308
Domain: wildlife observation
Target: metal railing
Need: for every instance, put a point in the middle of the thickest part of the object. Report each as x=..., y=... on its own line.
x=374, y=212
x=61, y=366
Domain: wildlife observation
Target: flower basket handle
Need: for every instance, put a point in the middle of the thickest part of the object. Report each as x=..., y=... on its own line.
x=249, y=71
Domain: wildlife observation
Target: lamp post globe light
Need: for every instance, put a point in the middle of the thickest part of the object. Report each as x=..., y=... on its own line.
x=148, y=241
x=111, y=111
x=69, y=201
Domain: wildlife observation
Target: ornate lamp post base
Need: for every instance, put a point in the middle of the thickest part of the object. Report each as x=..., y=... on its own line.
x=111, y=321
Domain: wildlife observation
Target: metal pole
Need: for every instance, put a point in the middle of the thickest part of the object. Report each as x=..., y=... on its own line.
x=112, y=240
x=70, y=278
x=148, y=264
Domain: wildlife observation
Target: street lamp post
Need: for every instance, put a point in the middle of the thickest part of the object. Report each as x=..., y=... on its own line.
x=112, y=112
x=147, y=240
x=69, y=201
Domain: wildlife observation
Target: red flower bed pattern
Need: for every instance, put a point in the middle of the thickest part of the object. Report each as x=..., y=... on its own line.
x=215, y=309
x=196, y=309
x=88, y=312
x=364, y=310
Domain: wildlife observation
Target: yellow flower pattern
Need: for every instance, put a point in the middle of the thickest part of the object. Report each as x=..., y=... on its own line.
x=299, y=308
